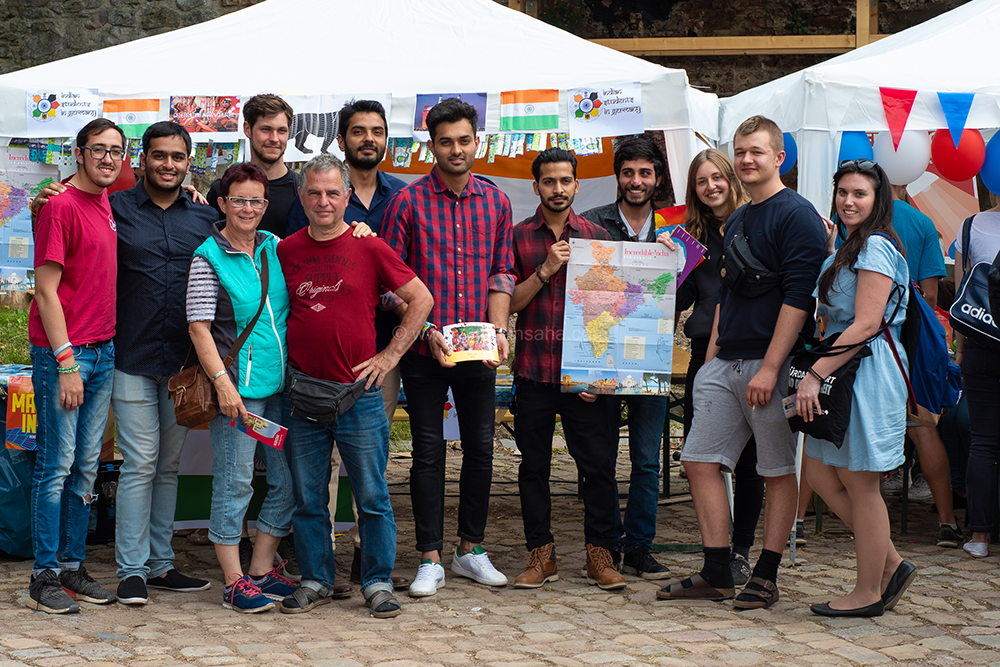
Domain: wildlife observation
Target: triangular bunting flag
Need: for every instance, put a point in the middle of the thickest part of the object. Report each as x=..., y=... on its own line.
x=897, y=104
x=956, y=111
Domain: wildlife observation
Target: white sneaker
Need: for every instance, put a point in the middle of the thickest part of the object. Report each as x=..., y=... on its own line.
x=919, y=491
x=976, y=549
x=430, y=577
x=476, y=565
x=893, y=485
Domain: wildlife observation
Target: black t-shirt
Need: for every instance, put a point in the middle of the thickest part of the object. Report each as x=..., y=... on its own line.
x=281, y=193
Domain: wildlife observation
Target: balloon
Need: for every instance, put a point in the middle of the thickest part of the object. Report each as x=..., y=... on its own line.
x=855, y=146
x=990, y=173
x=791, y=154
x=962, y=163
x=905, y=165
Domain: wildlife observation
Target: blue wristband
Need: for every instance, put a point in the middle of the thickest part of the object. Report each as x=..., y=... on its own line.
x=60, y=349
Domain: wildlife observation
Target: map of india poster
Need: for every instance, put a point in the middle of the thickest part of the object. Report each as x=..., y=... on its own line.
x=618, y=327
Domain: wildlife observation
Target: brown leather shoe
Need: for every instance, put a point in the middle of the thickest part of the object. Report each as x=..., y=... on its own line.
x=341, y=589
x=399, y=582
x=601, y=569
x=541, y=568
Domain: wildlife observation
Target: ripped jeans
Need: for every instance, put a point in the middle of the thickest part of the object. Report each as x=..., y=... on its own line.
x=69, y=446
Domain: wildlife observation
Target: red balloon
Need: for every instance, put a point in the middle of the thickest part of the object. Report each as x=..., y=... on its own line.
x=962, y=163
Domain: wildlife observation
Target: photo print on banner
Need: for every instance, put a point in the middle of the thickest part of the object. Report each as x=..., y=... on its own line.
x=605, y=111
x=315, y=123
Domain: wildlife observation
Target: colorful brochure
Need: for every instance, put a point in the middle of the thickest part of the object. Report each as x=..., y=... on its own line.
x=471, y=341
x=264, y=430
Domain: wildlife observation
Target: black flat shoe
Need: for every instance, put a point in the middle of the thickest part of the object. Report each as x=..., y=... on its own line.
x=901, y=578
x=874, y=609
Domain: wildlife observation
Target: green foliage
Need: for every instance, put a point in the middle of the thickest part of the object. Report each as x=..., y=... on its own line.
x=796, y=24
x=570, y=15
x=13, y=336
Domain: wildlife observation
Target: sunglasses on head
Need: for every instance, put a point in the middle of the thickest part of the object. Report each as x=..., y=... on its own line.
x=863, y=164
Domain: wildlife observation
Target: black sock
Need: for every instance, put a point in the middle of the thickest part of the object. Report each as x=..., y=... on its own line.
x=767, y=566
x=716, y=571
x=742, y=549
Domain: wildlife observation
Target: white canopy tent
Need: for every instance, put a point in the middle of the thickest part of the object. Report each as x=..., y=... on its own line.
x=313, y=47
x=954, y=52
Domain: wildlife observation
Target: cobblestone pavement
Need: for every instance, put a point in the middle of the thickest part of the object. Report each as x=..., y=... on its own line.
x=950, y=615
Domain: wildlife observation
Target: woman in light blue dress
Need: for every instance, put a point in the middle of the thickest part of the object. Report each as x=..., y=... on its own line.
x=858, y=287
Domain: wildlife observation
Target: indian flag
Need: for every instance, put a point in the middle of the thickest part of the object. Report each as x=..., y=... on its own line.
x=528, y=110
x=133, y=116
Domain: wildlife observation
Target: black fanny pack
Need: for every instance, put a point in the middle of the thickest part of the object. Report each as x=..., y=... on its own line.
x=741, y=271
x=321, y=401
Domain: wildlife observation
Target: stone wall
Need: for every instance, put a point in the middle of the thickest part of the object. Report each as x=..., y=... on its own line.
x=33, y=32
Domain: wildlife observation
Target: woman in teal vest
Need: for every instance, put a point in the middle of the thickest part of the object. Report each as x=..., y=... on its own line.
x=223, y=297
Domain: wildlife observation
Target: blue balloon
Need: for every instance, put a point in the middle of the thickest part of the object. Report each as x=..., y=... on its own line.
x=990, y=171
x=791, y=153
x=855, y=145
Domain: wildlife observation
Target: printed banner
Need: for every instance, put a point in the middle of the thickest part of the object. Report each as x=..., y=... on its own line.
x=206, y=114
x=60, y=112
x=607, y=111
x=618, y=326
x=22, y=419
x=426, y=102
x=315, y=124
x=528, y=110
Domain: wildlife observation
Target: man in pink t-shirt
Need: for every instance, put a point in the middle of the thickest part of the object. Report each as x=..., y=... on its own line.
x=70, y=327
x=335, y=282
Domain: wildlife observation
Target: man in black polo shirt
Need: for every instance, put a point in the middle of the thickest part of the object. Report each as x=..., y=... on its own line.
x=159, y=228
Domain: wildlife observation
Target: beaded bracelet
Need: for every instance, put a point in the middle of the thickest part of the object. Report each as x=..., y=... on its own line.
x=71, y=369
x=501, y=331
x=426, y=330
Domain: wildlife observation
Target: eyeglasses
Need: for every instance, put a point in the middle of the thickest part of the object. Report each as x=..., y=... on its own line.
x=98, y=152
x=863, y=164
x=240, y=202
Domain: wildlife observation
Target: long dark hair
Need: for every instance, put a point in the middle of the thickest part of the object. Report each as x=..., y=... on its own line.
x=880, y=221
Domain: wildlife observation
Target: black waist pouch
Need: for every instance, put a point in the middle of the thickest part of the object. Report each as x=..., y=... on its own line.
x=742, y=272
x=321, y=401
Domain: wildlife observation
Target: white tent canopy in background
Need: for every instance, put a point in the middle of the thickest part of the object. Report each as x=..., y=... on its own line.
x=955, y=52
x=310, y=47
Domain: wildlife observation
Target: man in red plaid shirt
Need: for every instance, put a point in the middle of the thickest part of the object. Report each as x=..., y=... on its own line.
x=454, y=231
x=541, y=251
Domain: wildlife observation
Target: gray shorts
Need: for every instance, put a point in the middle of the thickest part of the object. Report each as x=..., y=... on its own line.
x=723, y=422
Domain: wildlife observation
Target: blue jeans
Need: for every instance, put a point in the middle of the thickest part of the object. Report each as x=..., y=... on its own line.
x=232, y=476
x=150, y=442
x=69, y=447
x=646, y=415
x=362, y=436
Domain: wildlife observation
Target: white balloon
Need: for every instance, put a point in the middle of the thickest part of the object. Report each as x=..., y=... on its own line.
x=905, y=165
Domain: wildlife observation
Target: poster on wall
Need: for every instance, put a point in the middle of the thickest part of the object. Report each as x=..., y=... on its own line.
x=605, y=111
x=315, y=123
x=21, y=180
x=427, y=101
x=207, y=115
x=60, y=112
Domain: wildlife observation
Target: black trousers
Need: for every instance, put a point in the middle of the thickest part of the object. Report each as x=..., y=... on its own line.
x=426, y=385
x=591, y=446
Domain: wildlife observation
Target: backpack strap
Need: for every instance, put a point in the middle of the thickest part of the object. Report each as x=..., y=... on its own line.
x=966, y=240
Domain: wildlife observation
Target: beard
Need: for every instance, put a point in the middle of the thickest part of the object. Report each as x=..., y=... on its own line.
x=557, y=208
x=358, y=161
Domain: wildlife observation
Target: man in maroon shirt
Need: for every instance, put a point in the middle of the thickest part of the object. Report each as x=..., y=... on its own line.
x=334, y=282
x=541, y=251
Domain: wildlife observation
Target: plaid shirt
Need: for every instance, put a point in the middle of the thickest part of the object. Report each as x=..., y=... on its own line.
x=539, y=334
x=458, y=245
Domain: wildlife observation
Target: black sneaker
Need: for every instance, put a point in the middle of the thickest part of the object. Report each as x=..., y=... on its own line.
x=45, y=593
x=740, y=567
x=641, y=563
x=132, y=590
x=950, y=536
x=286, y=552
x=86, y=589
x=172, y=580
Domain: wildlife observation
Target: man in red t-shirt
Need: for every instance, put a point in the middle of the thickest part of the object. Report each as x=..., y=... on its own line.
x=335, y=282
x=70, y=327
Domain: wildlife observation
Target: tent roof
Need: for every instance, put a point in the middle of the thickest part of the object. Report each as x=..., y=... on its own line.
x=951, y=53
x=307, y=47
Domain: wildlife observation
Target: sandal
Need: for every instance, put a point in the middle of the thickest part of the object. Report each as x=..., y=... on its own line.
x=383, y=604
x=753, y=598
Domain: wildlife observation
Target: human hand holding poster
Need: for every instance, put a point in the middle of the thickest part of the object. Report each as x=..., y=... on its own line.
x=471, y=341
x=618, y=324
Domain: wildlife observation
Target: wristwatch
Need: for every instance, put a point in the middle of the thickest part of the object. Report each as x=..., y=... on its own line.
x=538, y=272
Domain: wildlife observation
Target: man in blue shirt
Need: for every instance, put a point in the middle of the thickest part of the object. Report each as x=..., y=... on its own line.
x=159, y=228
x=926, y=263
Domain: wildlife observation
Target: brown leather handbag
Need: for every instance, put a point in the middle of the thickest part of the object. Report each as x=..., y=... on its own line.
x=194, y=394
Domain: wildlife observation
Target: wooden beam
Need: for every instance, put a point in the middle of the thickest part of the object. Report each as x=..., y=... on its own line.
x=873, y=18
x=763, y=45
x=516, y=5
x=862, y=25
